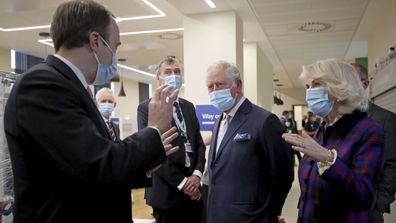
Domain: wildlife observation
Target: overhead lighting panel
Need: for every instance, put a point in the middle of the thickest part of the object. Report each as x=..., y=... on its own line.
x=314, y=27
x=210, y=3
x=119, y=19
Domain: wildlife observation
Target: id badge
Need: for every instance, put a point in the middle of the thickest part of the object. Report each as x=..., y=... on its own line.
x=187, y=147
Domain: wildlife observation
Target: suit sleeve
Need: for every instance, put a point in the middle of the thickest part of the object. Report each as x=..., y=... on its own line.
x=53, y=115
x=387, y=186
x=168, y=171
x=279, y=159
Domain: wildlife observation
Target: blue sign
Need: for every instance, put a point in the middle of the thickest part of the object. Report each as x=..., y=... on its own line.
x=207, y=116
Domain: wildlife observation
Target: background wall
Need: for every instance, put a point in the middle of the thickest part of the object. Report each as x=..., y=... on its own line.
x=290, y=97
x=382, y=34
x=5, y=59
x=126, y=109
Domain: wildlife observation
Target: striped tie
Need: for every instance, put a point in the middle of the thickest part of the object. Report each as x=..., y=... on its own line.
x=111, y=130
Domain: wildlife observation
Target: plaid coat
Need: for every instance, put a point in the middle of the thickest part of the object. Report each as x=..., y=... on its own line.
x=345, y=191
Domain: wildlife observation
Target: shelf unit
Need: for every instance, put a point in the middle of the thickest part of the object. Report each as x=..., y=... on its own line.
x=383, y=87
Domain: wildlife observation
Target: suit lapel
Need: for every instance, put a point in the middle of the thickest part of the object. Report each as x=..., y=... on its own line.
x=236, y=122
x=213, y=141
x=187, y=118
x=69, y=74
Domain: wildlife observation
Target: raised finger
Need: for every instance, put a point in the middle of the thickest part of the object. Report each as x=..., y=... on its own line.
x=171, y=138
x=157, y=92
x=165, y=92
x=168, y=133
x=171, y=150
x=173, y=96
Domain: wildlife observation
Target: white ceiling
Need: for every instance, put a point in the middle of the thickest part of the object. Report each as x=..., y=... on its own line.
x=271, y=23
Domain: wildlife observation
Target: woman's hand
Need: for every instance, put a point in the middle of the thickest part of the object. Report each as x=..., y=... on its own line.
x=307, y=145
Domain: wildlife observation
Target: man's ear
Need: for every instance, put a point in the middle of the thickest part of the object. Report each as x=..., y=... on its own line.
x=93, y=41
x=365, y=83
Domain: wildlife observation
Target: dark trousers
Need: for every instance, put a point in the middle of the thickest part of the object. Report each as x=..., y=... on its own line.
x=205, y=200
x=186, y=211
x=298, y=154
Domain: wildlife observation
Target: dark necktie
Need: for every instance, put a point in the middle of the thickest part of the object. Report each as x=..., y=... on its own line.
x=178, y=112
x=111, y=130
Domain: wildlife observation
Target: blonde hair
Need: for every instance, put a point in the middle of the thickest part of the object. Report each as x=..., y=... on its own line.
x=341, y=79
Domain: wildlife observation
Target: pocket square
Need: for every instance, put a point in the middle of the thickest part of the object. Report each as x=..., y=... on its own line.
x=240, y=137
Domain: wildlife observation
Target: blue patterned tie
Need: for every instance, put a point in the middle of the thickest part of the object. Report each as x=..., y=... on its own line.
x=111, y=130
x=178, y=112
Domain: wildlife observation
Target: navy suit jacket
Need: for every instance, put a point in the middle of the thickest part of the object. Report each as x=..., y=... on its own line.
x=252, y=172
x=164, y=193
x=66, y=167
x=387, y=185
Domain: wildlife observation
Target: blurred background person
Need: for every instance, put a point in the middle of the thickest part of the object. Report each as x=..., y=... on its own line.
x=106, y=103
x=340, y=170
x=312, y=124
x=385, y=195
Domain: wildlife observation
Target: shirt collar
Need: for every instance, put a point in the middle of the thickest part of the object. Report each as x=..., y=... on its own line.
x=76, y=71
x=235, y=108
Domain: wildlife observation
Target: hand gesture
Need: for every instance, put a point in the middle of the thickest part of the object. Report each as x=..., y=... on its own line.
x=161, y=108
x=307, y=145
x=167, y=139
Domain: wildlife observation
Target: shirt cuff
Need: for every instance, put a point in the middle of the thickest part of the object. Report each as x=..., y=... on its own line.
x=323, y=166
x=197, y=173
x=181, y=185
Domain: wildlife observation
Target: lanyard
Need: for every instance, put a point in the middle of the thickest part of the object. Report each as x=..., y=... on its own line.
x=180, y=125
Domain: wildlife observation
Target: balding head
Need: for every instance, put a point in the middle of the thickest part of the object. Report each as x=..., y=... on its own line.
x=363, y=75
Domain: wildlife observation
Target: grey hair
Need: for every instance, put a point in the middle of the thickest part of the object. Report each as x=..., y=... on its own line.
x=342, y=81
x=169, y=60
x=101, y=91
x=230, y=69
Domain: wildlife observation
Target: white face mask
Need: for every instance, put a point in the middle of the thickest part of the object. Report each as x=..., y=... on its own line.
x=105, y=72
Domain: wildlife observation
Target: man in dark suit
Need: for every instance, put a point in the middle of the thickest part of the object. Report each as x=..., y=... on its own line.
x=386, y=190
x=175, y=192
x=250, y=167
x=106, y=103
x=66, y=166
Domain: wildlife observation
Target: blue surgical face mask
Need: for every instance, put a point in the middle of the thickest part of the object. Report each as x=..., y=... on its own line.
x=222, y=99
x=318, y=101
x=175, y=81
x=106, y=109
x=105, y=72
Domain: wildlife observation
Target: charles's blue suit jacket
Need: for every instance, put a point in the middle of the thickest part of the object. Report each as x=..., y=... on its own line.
x=252, y=171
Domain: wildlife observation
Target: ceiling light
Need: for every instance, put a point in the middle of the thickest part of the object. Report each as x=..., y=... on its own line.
x=24, y=28
x=151, y=31
x=136, y=70
x=170, y=36
x=160, y=14
x=119, y=19
x=314, y=27
x=210, y=3
x=46, y=42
